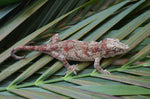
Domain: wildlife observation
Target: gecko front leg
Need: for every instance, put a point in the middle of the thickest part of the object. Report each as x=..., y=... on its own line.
x=98, y=68
x=61, y=58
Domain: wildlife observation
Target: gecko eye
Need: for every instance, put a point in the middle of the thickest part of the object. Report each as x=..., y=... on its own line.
x=116, y=49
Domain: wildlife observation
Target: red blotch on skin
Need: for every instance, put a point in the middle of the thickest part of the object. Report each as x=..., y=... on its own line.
x=53, y=47
x=21, y=48
x=95, y=49
x=85, y=53
x=40, y=48
x=84, y=47
x=104, y=44
x=66, y=47
x=76, y=54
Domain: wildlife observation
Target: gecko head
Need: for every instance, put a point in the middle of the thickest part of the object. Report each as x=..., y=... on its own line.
x=112, y=47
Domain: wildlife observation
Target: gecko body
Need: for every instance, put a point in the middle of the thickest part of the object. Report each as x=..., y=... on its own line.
x=77, y=51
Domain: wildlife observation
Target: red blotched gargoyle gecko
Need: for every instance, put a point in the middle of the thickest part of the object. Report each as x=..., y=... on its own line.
x=77, y=51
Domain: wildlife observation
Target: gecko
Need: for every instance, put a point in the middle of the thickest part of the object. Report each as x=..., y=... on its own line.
x=76, y=50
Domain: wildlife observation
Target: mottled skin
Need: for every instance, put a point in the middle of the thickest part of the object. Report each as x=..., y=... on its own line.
x=78, y=51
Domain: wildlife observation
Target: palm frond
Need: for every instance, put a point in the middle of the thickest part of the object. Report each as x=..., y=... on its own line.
x=42, y=76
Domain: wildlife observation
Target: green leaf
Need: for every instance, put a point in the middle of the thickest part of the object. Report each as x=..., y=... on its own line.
x=6, y=10
x=126, y=79
x=76, y=92
x=135, y=97
x=116, y=89
x=34, y=94
x=131, y=26
x=16, y=66
x=103, y=29
x=6, y=2
x=102, y=16
x=136, y=72
x=141, y=54
x=10, y=97
x=84, y=82
x=28, y=72
x=6, y=30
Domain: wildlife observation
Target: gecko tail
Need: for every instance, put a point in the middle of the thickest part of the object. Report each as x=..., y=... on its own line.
x=15, y=56
x=13, y=51
x=26, y=48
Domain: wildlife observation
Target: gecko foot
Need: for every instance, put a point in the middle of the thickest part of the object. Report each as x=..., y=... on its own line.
x=19, y=57
x=105, y=72
x=15, y=56
x=72, y=68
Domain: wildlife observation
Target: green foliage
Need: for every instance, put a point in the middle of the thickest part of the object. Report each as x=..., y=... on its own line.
x=42, y=76
x=6, y=2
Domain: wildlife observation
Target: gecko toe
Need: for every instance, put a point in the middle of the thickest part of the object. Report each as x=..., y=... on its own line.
x=72, y=68
x=75, y=72
x=106, y=72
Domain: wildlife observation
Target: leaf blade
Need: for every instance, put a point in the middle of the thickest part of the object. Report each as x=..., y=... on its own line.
x=126, y=79
x=75, y=92
x=117, y=89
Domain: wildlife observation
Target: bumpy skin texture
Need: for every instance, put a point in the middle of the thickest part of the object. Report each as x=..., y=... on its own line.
x=78, y=51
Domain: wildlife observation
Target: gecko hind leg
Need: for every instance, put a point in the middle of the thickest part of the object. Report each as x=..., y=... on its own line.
x=98, y=68
x=61, y=58
x=53, y=39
